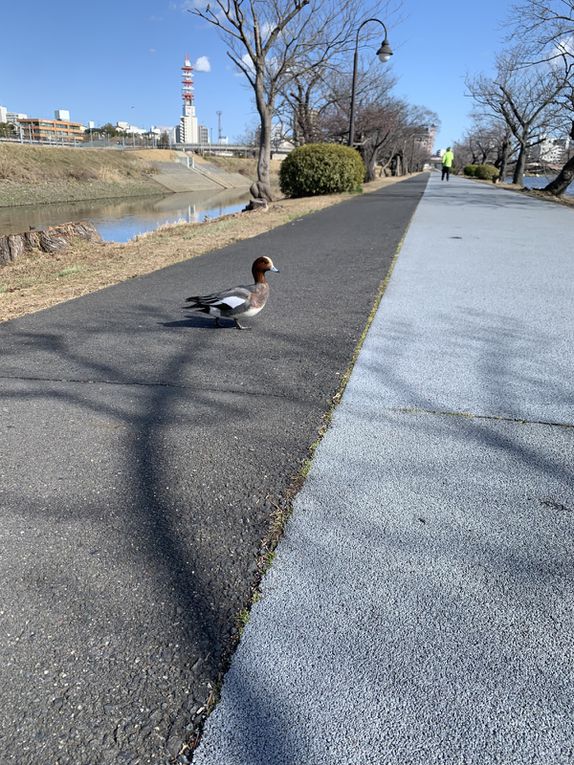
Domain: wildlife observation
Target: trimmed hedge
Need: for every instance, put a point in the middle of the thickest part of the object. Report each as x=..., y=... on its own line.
x=483, y=172
x=321, y=168
x=486, y=172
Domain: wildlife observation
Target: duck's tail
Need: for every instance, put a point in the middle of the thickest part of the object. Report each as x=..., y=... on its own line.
x=197, y=303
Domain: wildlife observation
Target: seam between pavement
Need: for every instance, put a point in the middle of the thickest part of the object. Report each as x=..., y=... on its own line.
x=473, y=416
x=137, y=383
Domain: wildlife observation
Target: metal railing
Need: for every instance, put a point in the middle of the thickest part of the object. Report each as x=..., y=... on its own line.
x=138, y=142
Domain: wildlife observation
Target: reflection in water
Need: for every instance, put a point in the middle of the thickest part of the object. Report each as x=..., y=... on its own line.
x=119, y=220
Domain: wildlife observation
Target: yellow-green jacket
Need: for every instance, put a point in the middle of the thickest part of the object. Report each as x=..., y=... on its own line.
x=447, y=159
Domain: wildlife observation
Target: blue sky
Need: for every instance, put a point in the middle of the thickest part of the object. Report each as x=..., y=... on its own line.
x=110, y=61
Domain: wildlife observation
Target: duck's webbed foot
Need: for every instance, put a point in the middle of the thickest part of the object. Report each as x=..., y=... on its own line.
x=239, y=326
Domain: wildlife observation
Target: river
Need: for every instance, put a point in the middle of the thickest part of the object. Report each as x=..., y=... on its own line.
x=540, y=181
x=119, y=220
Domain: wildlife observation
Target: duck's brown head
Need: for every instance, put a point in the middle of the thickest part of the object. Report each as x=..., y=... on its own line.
x=260, y=268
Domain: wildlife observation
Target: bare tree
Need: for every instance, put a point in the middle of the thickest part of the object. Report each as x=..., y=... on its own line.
x=7, y=130
x=378, y=130
x=416, y=151
x=565, y=177
x=272, y=42
x=389, y=131
x=525, y=97
x=249, y=136
x=394, y=134
x=488, y=141
x=306, y=101
x=549, y=26
x=261, y=49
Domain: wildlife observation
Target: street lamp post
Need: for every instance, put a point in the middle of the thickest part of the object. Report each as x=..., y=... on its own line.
x=384, y=53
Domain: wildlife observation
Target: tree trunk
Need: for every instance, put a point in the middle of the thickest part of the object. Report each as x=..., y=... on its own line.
x=518, y=176
x=370, y=165
x=52, y=239
x=305, y=127
x=261, y=189
x=558, y=186
x=368, y=154
x=502, y=160
x=386, y=166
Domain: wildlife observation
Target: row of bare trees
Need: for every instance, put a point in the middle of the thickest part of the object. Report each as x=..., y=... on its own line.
x=296, y=57
x=531, y=95
x=390, y=133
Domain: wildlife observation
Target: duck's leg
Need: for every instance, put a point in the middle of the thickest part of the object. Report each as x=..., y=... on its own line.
x=240, y=326
x=217, y=322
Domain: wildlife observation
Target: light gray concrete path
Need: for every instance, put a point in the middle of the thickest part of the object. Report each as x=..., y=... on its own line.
x=421, y=605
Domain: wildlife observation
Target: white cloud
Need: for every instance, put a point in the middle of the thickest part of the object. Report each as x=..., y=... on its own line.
x=248, y=62
x=565, y=46
x=152, y=50
x=202, y=64
x=562, y=49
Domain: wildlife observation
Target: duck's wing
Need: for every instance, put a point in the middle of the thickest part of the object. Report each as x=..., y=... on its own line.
x=231, y=301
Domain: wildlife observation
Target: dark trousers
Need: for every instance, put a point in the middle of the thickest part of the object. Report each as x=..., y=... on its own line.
x=445, y=171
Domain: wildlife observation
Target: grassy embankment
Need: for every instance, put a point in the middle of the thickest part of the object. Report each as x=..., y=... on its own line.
x=44, y=174
x=37, y=280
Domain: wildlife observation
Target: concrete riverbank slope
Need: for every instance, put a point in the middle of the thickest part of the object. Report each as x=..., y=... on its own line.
x=43, y=174
x=196, y=176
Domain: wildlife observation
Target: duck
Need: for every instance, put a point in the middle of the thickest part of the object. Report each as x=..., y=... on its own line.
x=246, y=300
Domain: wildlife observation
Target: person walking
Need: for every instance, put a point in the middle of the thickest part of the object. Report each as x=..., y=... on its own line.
x=447, y=160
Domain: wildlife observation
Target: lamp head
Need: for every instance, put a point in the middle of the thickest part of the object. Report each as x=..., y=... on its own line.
x=384, y=53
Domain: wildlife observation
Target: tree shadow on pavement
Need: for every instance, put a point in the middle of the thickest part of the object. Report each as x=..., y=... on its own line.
x=180, y=481
x=143, y=464
x=488, y=365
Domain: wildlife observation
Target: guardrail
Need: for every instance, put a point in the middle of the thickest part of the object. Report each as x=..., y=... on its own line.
x=104, y=144
x=199, y=148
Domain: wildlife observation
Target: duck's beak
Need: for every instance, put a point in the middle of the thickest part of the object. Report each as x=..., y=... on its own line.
x=276, y=270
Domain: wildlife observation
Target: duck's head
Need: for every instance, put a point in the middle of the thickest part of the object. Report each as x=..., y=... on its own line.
x=261, y=266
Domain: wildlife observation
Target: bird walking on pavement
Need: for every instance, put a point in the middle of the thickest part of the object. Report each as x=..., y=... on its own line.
x=245, y=300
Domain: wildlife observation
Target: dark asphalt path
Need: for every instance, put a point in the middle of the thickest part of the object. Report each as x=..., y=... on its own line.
x=141, y=455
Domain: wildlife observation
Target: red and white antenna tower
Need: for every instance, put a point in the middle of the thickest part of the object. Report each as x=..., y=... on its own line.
x=187, y=82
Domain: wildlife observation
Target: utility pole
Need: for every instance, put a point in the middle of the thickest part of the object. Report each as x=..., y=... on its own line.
x=219, y=133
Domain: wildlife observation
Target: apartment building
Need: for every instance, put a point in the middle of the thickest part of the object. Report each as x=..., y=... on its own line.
x=552, y=150
x=53, y=131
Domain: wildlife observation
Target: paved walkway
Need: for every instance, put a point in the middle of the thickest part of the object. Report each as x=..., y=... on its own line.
x=420, y=608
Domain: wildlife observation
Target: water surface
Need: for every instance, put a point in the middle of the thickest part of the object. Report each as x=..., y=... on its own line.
x=119, y=220
x=540, y=181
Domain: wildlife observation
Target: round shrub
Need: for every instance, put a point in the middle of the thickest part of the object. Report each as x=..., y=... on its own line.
x=486, y=172
x=470, y=170
x=321, y=168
